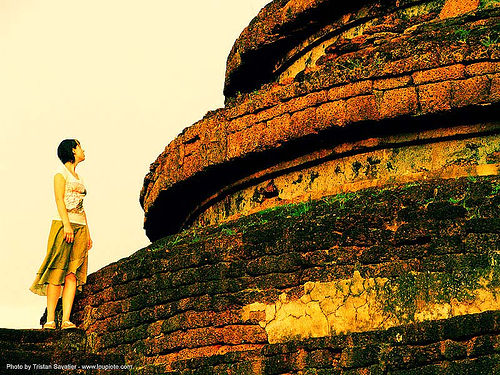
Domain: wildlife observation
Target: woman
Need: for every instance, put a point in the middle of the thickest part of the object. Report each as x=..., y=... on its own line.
x=65, y=265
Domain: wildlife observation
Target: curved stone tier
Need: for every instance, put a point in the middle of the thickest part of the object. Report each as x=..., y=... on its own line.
x=305, y=34
x=398, y=280
x=345, y=97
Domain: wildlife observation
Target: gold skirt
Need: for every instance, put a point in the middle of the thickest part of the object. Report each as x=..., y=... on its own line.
x=63, y=258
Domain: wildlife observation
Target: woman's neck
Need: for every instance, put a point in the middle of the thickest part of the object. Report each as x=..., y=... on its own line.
x=71, y=167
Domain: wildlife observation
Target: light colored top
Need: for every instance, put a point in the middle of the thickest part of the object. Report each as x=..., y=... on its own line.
x=73, y=196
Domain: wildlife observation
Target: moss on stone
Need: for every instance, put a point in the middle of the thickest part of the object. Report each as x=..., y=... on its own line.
x=402, y=293
x=488, y=3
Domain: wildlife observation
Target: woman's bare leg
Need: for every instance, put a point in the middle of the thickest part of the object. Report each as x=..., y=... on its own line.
x=68, y=295
x=53, y=292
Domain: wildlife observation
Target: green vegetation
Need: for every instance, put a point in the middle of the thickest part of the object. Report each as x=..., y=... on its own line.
x=271, y=209
x=489, y=40
x=188, y=236
x=495, y=189
x=300, y=209
x=462, y=35
x=410, y=185
x=254, y=221
x=401, y=294
x=228, y=231
x=466, y=201
x=195, y=238
x=291, y=210
x=340, y=199
x=175, y=240
x=471, y=179
x=483, y=4
x=351, y=64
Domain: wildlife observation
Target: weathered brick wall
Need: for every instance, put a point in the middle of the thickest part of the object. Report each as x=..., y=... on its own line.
x=205, y=296
x=386, y=61
x=339, y=215
x=461, y=345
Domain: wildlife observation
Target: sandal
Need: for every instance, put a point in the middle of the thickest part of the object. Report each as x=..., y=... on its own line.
x=49, y=325
x=67, y=325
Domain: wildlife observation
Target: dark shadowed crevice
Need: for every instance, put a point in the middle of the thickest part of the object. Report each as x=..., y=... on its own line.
x=258, y=65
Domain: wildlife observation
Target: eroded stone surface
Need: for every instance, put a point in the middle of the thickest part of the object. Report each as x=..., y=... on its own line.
x=453, y=8
x=358, y=305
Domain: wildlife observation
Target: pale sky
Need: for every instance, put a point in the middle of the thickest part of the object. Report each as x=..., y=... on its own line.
x=122, y=76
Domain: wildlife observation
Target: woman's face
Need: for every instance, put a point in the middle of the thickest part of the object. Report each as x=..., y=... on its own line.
x=79, y=153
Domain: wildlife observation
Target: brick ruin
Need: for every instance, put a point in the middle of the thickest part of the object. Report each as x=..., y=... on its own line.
x=340, y=215
x=341, y=207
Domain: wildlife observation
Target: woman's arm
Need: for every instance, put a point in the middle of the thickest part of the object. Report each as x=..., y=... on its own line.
x=59, y=188
x=90, y=243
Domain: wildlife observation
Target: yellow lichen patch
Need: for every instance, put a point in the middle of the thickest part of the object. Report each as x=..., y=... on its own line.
x=356, y=305
x=297, y=319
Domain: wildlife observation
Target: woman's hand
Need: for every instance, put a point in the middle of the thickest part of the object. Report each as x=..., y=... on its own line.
x=90, y=243
x=68, y=234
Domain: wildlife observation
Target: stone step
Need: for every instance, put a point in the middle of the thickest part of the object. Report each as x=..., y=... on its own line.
x=41, y=340
x=22, y=349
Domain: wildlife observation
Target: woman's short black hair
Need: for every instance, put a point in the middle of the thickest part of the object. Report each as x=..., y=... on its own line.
x=65, y=150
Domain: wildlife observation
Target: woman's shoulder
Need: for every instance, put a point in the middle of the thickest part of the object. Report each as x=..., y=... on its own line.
x=62, y=170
